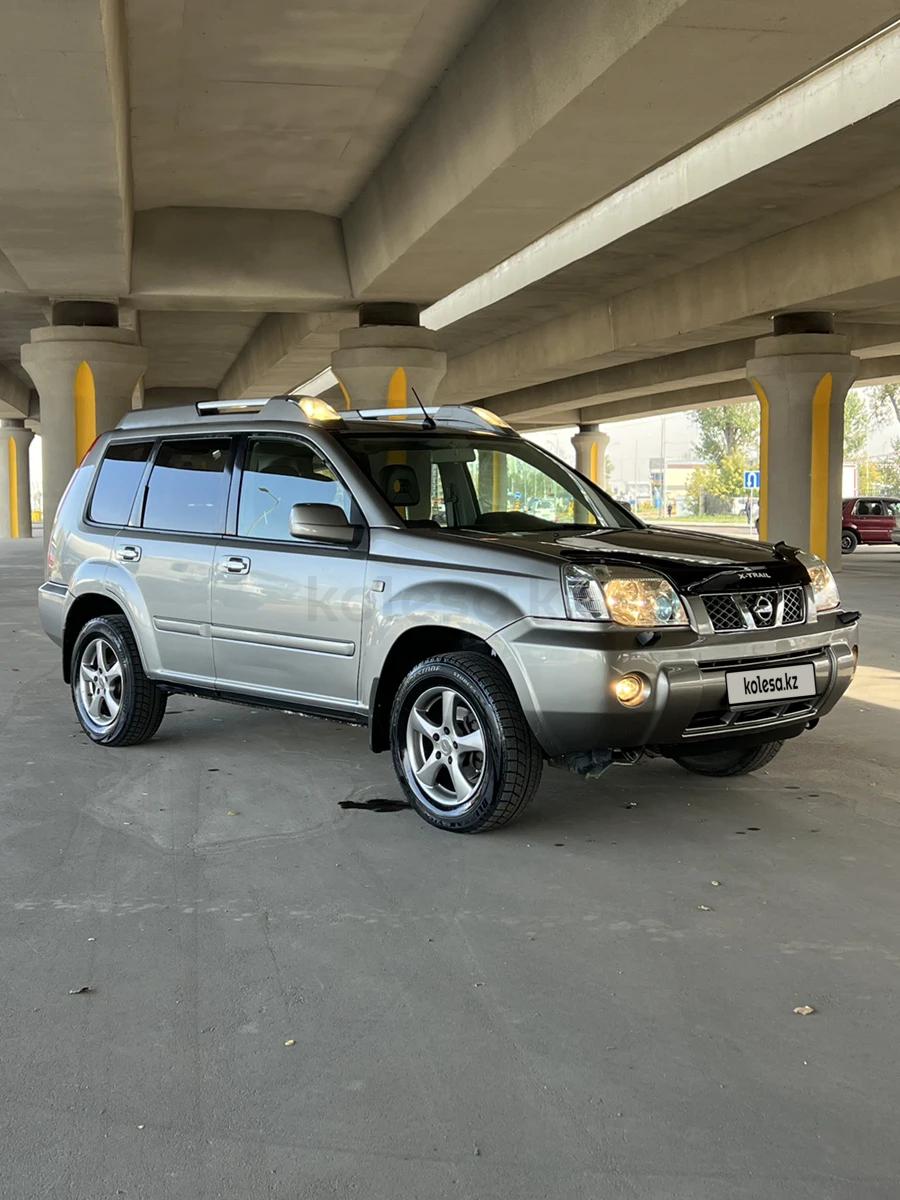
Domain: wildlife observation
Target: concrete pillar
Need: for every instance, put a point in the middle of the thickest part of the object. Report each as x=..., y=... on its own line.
x=380, y=362
x=15, y=480
x=590, y=453
x=802, y=374
x=85, y=376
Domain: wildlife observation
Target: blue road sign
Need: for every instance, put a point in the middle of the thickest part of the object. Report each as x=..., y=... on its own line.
x=751, y=480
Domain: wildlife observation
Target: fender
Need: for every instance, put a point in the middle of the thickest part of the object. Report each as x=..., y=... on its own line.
x=478, y=609
x=122, y=587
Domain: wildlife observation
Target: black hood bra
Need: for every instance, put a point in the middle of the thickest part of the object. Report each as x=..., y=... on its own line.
x=694, y=562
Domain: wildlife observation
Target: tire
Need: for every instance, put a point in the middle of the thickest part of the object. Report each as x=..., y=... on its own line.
x=485, y=789
x=129, y=709
x=723, y=763
x=849, y=541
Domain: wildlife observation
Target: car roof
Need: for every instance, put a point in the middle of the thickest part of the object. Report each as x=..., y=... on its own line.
x=312, y=413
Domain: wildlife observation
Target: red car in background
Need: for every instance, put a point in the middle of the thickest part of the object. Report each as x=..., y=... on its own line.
x=872, y=520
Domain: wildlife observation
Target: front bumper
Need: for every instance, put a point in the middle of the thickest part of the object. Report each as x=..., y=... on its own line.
x=564, y=673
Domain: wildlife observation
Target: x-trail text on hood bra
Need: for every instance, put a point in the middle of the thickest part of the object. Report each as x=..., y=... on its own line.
x=477, y=604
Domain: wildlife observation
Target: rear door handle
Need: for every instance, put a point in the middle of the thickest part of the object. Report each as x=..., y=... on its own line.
x=235, y=565
x=129, y=553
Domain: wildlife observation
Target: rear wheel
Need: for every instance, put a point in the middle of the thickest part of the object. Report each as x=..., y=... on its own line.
x=116, y=703
x=462, y=748
x=729, y=762
x=849, y=541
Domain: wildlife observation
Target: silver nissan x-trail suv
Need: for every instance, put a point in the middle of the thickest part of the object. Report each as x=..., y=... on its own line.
x=476, y=603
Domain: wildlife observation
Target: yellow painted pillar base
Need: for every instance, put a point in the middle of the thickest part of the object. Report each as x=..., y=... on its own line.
x=801, y=381
x=590, y=454
x=15, y=480
x=85, y=377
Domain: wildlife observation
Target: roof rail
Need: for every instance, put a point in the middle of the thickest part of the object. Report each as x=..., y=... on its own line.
x=444, y=414
x=308, y=410
x=221, y=408
x=305, y=409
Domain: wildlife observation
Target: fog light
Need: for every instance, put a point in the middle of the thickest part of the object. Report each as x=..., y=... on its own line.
x=632, y=690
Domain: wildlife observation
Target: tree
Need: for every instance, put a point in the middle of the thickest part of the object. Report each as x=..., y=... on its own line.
x=889, y=470
x=859, y=417
x=728, y=445
x=887, y=400
x=727, y=430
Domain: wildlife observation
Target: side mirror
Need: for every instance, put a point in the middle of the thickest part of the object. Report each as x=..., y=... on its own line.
x=322, y=523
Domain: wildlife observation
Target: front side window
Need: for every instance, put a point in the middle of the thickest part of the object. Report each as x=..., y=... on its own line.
x=188, y=487
x=279, y=473
x=493, y=484
x=118, y=478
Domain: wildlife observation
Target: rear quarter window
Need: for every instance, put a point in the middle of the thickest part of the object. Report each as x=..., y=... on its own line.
x=117, y=482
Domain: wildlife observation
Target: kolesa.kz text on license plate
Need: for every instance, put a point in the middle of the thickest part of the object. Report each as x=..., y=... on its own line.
x=771, y=683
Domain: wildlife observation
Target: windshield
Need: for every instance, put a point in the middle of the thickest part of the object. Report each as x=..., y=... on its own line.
x=482, y=482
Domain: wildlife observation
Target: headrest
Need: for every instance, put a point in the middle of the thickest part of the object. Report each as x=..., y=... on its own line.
x=400, y=484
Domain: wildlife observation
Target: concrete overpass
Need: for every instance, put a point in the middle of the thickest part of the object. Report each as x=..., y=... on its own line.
x=594, y=204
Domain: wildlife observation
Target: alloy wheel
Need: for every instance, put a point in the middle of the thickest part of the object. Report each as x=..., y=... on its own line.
x=100, y=682
x=446, y=745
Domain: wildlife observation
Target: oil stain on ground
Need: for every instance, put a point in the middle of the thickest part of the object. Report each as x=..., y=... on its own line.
x=379, y=806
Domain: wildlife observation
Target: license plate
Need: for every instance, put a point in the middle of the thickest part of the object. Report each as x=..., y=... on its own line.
x=771, y=684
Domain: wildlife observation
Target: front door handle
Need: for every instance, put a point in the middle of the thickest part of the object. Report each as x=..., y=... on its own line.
x=129, y=553
x=235, y=565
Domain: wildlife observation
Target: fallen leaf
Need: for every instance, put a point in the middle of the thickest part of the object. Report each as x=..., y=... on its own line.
x=704, y=908
x=804, y=1010
x=231, y=813
x=291, y=1042
x=715, y=883
x=82, y=991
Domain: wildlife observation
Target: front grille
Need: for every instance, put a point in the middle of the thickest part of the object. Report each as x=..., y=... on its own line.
x=724, y=613
x=729, y=612
x=794, y=606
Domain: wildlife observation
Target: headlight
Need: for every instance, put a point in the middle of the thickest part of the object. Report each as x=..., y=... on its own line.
x=626, y=595
x=825, y=589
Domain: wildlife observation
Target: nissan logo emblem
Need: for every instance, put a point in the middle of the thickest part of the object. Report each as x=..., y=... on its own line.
x=763, y=610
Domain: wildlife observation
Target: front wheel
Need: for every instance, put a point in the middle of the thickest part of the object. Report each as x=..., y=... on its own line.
x=849, y=541
x=461, y=746
x=722, y=763
x=116, y=703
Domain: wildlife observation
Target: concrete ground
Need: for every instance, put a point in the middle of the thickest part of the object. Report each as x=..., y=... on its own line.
x=569, y=1008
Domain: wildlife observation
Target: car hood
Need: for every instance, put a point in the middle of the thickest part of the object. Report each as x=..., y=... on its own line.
x=694, y=562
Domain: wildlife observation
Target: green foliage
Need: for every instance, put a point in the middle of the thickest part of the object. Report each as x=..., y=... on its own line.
x=711, y=488
x=859, y=419
x=728, y=444
x=865, y=410
x=727, y=430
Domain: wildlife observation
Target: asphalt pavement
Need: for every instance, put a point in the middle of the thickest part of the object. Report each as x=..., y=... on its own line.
x=290, y=999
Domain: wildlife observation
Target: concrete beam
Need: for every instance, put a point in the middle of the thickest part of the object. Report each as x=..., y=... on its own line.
x=171, y=397
x=536, y=119
x=871, y=371
x=233, y=258
x=846, y=262
x=667, y=373
x=284, y=350
x=15, y=396
x=65, y=200
x=796, y=157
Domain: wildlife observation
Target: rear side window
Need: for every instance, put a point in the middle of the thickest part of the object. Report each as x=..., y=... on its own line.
x=117, y=482
x=188, y=487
